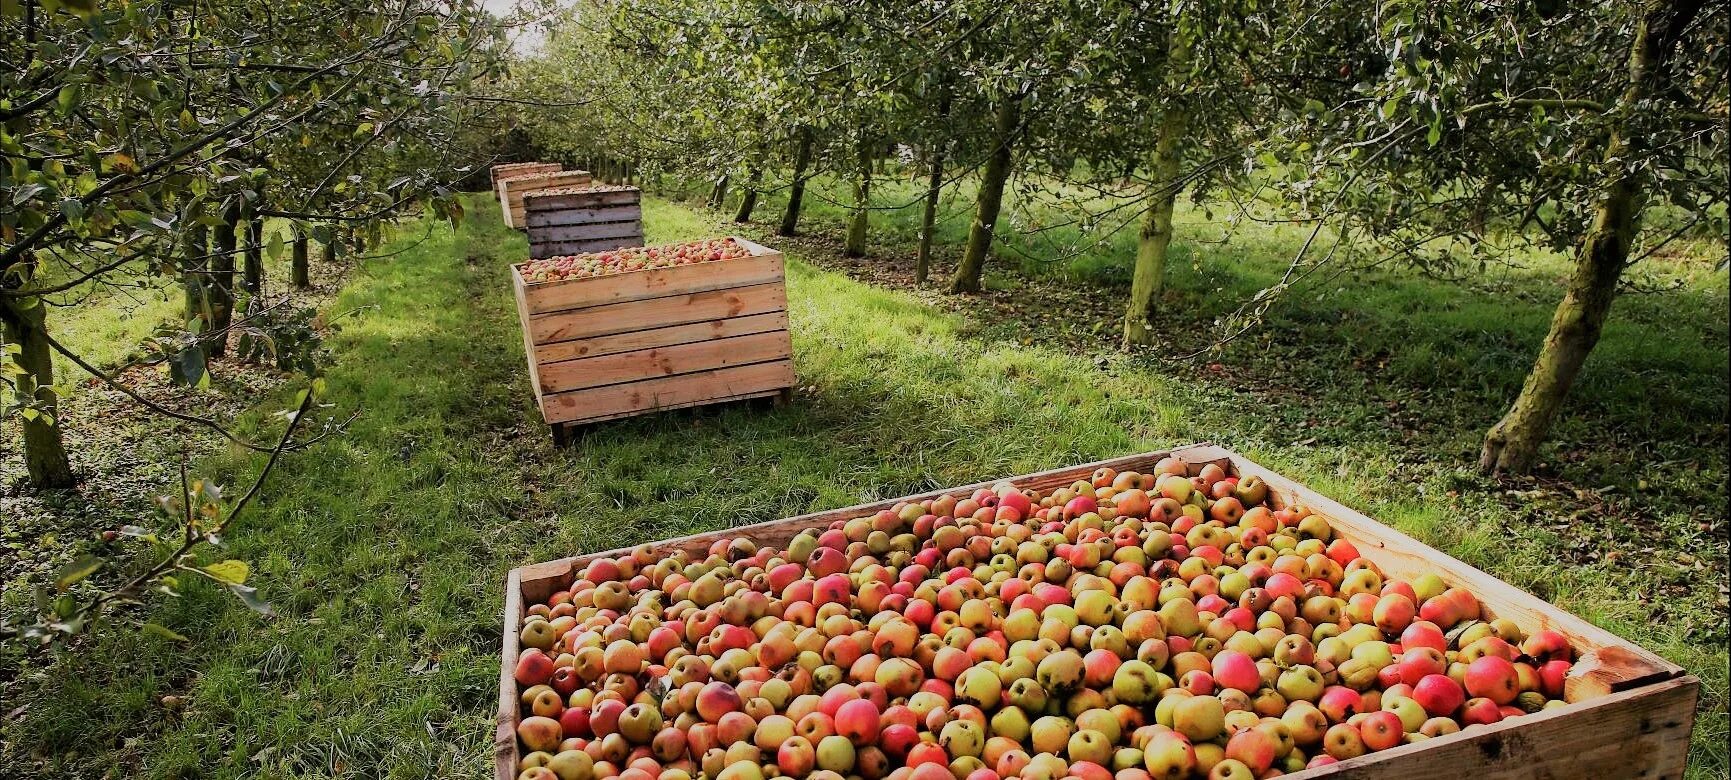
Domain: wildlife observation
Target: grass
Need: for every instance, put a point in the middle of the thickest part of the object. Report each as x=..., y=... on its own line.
x=384, y=550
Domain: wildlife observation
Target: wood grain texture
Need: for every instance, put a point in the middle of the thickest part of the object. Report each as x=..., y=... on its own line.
x=613, y=318
x=672, y=392
x=687, y=358
x=587, y=231
x=1641, y=733
x=661, y=337
x=540, y=250
x=539, y=218
x=767, y=268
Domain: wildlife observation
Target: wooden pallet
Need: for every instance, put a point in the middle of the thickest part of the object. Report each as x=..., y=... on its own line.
x=1629, y=713
x=607, y=347
x=504, y=170
x=571, y=221
x=511, y=189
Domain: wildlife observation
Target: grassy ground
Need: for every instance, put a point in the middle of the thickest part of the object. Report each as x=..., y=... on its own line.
x=384, y=551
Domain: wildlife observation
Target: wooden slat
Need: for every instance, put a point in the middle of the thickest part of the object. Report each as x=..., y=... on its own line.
x=550, y=217
x=664, y=361
x=541, y=250
x=549, y=201
x=661, y=337
x=656, y=312
x=1402, y=556
x=528, y=343
x=505, y=726
x=1642, y=733
x=671, y=392
x=655, y=283
x=587, y=232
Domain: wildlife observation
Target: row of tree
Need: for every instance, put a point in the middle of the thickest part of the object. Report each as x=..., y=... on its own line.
x=1433, y=132
x=178, y=142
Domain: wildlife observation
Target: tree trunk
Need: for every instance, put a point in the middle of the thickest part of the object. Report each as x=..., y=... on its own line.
x=221, y=282
x=1154, y=240
x=328, y=254
x=860, y=221
x=991, y=198
x=796, y=190
x=934, y=189
x=253, y=275
x=1512, y=445
x=45, y=458
x=195, y=263
x=718, y=195
x=929, y=218
x=748, y=201
x=299, y=274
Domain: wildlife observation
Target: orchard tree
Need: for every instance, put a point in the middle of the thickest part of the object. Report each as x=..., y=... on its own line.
x=130, y=130
x=1594, y=129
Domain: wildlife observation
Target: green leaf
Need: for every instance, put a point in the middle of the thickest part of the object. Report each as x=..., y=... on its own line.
x=69, y=98
x=230, y=571
x=165, y=632
x=76, y=571
x=276, y=245
x=73, y=209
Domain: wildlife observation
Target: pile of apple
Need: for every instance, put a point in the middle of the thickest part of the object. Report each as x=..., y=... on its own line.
x=581, y=189
x=1128, y=627
x=613, y=261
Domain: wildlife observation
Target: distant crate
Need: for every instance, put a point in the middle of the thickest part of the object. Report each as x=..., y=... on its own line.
x=574, y=220
x=513, y=187
x=503, y=170
x=619, y=345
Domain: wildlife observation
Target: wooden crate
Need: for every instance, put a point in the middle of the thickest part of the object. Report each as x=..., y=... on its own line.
x=574, y=220
x=607, y=347
x=513, y=187
x=503, y=170
x=1630, y=711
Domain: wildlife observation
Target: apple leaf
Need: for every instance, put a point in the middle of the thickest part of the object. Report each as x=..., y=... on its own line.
x=163, y=631
x=73, y=572
x=231, y=572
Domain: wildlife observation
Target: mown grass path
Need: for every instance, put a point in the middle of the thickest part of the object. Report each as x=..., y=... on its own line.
x=385, y=551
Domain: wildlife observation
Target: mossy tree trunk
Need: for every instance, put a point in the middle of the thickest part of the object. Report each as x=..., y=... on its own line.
x=45, y=461
x=300, y=275
x=220, y=284
x=934, y=189
x=328, y=253
x=991, y=198
x=748, y=200
x=252, y=277
x=859, y=222
x=1512, y=445
x=194, y=270
x=796, y=190
x=1154, y=239
x=718, y=195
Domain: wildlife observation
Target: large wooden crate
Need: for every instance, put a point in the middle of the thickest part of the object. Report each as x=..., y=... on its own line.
x=1629, y=713
x=513, y=187
x=574, y=220
x=504, y=170
x=606, y=347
